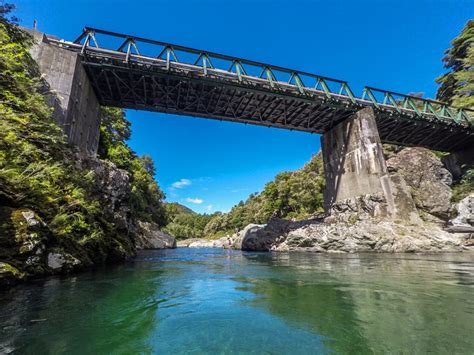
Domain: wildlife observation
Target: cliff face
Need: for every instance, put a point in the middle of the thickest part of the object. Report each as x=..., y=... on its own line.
x=61, y=210
x=32, y=244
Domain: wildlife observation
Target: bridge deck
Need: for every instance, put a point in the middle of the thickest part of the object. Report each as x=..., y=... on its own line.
x=127, y=78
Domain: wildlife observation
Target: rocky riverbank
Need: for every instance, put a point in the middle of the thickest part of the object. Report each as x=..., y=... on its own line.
x=433, y=223
x=33, y=250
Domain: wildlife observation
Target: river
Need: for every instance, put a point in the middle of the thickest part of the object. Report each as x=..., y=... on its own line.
x=215, y=301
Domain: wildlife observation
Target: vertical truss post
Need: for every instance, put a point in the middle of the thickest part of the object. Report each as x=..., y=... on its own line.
x=298, y=82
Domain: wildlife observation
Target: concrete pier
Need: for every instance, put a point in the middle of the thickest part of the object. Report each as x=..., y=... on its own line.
x=355, y=166
x=75, y=104
x=353, y=159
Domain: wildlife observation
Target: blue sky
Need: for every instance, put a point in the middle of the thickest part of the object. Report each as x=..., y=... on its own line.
x=211, y=165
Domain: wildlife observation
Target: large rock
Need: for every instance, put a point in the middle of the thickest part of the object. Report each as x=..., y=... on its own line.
x=465, y=212
x=223, y=242
x=204, y=243
x=427, y=179
x=367, y=236
x=150, y=236
x=260, y=237
x=336, y=236
x=60, y=261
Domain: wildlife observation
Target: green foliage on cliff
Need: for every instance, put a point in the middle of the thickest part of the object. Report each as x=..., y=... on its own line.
x=37, y=168
x=146, y=196
x=42, y=177
x=457, y=86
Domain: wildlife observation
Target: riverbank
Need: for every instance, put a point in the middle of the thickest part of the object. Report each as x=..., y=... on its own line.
x=363, y=236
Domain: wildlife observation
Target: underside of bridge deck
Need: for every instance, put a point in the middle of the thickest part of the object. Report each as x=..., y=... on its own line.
x=192, y=95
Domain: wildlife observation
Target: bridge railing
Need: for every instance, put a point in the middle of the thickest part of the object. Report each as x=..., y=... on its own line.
x=439, y=111
x=132, y=49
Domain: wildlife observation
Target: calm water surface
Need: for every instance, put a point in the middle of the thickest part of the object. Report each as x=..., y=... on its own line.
x=216, y=301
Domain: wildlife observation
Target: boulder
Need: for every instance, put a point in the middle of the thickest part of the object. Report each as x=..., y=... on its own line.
x=367, y=236
x=428, y=180
x=59, y=261
x=149, y=236
x=465, y=212
x=203, y=243
x=260, y=237
x=186, y=242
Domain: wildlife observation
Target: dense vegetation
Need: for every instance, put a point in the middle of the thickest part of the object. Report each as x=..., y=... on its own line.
x=297, y=194
x=457, y=85
x=146, y=196
x=457, y=88
x=185, y=223
x=41, y=174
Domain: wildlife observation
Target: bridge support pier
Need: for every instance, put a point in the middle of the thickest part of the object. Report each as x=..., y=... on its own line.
x=75, y=104
x=354, y=166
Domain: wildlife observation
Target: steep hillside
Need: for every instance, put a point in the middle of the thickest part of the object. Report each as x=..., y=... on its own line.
x=60, y=210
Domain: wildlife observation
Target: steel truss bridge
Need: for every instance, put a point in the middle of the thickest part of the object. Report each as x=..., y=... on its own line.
x=144, y=74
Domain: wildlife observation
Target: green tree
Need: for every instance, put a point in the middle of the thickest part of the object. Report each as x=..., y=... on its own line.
x=457, y=88
x=146, y=198
x=457, y=85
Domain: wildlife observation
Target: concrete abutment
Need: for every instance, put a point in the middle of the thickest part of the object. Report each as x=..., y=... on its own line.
x=76, y=107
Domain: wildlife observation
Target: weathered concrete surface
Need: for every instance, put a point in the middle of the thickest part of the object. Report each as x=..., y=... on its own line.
x=355, y=166
x=75, y=104
x=353, y=159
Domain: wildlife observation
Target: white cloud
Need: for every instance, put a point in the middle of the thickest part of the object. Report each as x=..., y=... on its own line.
x=181, y=183
x=197, y=201
x=209, y=208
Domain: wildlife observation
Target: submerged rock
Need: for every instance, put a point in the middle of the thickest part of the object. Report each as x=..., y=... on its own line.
x=149, y=236
x=62, y=261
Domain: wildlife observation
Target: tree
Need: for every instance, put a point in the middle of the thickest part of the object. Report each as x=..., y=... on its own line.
x=457, y=85
x=146, y=196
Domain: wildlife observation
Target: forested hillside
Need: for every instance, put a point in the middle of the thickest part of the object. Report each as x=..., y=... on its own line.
x=297, y=194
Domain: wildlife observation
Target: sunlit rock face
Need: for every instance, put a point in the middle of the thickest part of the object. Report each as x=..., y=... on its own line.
x=420, y=186
x=429, y=181
x=149, y=236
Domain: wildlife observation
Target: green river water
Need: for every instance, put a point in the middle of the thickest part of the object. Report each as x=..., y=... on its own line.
x=213, y=301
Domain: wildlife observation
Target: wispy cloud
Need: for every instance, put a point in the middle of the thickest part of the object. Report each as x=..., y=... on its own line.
x=181, y=184
x=197, y=201
x=209, y=208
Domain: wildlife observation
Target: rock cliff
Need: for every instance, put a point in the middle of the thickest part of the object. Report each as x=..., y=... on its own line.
x=30, y=248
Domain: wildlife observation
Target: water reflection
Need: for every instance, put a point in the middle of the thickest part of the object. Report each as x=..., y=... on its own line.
x=375, y=303
x=218, y=301
x=83, y=314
